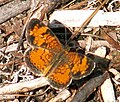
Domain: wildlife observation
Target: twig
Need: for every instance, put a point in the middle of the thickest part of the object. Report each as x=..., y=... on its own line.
x=23, y=86
x=94, y=82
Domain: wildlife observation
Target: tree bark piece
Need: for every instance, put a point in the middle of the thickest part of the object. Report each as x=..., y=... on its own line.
x=2, y=2
x=13, y=8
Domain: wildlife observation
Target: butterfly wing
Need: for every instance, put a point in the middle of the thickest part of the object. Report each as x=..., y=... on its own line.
x=45, y=44
x=82, y=65
x=60, y=76
x=39, y=60
x=39, y=35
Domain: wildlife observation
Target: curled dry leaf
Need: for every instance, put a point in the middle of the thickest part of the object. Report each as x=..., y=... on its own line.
x=105, y=34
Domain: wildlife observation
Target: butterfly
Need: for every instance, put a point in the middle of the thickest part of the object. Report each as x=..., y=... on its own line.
x=47, y=57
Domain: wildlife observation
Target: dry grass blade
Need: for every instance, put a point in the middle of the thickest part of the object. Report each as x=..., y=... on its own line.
x=88, y=20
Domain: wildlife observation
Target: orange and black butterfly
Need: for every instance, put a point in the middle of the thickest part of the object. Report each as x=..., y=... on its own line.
x=50, y=59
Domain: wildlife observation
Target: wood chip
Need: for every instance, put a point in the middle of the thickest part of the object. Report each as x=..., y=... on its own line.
x=107, y=91
x=10, y=48
x=101, y=51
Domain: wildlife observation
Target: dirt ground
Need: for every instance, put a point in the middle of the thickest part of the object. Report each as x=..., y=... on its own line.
x=101, y=45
